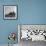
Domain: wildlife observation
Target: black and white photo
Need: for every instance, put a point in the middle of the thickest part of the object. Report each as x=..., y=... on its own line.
x=10, y=12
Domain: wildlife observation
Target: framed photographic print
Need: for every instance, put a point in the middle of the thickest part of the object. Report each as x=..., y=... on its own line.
x=10, y=11
x=33, y=32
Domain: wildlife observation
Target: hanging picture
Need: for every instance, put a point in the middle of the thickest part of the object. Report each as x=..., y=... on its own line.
x=10, y=12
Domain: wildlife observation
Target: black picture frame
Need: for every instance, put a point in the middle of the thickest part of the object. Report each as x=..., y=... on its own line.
x=10, y=12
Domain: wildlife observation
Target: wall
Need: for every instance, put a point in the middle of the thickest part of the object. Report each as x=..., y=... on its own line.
x=29, y=12
x=33, y=11
x=7, y=26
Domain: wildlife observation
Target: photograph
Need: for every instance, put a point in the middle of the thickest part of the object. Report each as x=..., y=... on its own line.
x=10, y=12
x=33, y=32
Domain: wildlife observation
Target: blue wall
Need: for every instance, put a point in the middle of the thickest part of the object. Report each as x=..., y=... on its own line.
x=33, y=11
x=29, y=12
